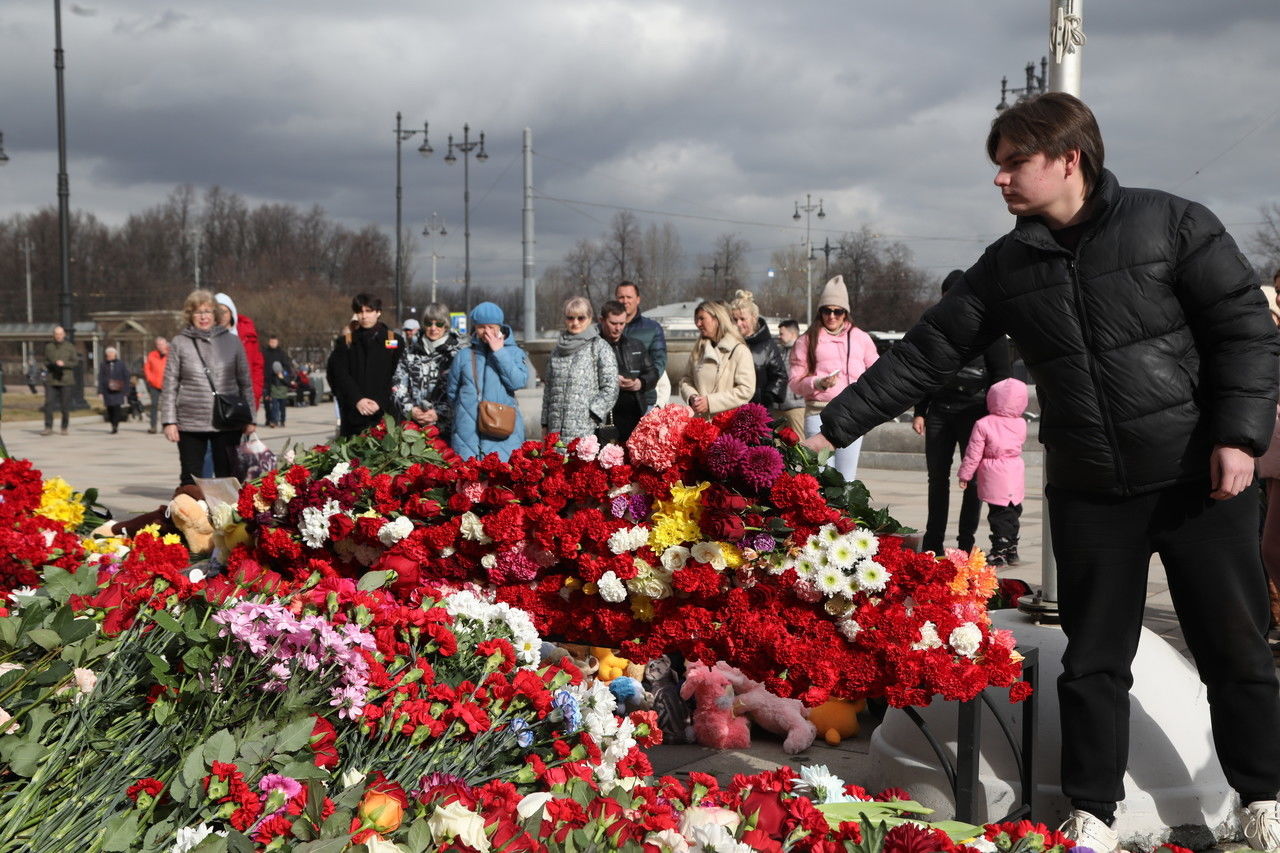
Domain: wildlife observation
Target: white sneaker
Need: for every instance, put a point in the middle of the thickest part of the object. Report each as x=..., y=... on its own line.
x=1262, y=826
x=1087, y=831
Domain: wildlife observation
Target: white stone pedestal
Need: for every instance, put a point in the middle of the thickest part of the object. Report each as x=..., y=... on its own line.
x=1174, y=777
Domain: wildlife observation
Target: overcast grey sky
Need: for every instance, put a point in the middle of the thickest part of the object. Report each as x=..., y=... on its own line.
x=722, y=109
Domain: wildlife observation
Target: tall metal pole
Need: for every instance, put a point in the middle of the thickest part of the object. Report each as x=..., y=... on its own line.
x=26, y=252
x=399, y=193
x=64, y=190
x=466, y=218
x=808, y=209
x=530, y=286
x=195, y=247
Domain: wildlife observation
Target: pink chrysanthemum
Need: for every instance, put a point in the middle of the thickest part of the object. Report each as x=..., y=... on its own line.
x=760, y=467
x=724, y=456
x=751, y=423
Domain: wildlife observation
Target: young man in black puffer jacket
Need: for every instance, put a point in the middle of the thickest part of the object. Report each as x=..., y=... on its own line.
x=1155, y=361
x=361, y=366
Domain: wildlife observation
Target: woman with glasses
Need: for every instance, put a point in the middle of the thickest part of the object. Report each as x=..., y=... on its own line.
x=831, y=355
x=582, y=376
x=720, y=374
x=203, y=358
x=418, y=386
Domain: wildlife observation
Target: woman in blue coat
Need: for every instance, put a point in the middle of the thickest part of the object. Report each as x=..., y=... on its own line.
x=492, y=368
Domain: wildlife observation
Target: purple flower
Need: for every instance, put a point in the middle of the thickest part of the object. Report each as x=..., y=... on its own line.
x=431, y=781
x=618, y=506
x=751, y=423
x=763, y=543
x=640, y=505
x=760, y=467
x=724, y=456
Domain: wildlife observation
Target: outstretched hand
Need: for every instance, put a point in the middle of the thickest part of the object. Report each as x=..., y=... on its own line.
x=817, y=442
x=1230, y=471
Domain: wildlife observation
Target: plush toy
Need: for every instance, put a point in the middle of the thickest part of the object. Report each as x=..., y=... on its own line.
x=192, y=518
x=608, y=665
x=629, y=695
x=714, y=723
x=660, y=681
x=787, y=717
x=837, y=719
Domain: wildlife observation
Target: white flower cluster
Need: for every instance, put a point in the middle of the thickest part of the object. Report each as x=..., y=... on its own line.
x=393, y=531
x=339, y=471
x=838, y=564
x=628, y=539
x=611, y=588
x=471, y=527
x=315, y=523
x=492, y=617
x=651, y=581
x=614, y=735
x=822, y=786
x=965, y=640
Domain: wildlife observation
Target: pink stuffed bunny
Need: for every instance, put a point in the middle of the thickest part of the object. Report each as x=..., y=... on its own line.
x=787, y=717
x=714, y=722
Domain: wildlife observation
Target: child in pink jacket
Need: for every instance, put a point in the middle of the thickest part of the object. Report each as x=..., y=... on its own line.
x=995, y=454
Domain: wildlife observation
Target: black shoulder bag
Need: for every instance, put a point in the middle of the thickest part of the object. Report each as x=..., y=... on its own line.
x=230, y=411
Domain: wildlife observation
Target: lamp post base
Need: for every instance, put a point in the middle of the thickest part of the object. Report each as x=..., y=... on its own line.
x=1041, y=610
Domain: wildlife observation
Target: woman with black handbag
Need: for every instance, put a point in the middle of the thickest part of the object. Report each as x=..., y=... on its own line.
x=207, y=388
x=113, y=385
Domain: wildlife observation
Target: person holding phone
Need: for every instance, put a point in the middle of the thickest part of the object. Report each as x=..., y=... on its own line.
x=829, y=356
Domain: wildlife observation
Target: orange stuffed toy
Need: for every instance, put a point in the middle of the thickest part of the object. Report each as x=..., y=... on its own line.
x=837, y=719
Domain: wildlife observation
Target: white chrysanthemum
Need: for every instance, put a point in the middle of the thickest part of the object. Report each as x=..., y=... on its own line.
x=315, y=523
x=828, y=535
x=805, y=567
x=966, y=639
x=849, y=628
x=628, y=539
x=871, y=576
x=813, y=548
x=709, y=553
x=929, y=638
x=831, y=581
x=842, y=553
x=822, y=786
x=779, y=562
x=393, y=531
x=339, y=471
x=22, y=595
x=611, y=589
x=864, y=542
x=675, y=557
x=470, y=526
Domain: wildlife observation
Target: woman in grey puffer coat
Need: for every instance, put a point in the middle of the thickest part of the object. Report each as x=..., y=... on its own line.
x=186, y=400
x=582, y=376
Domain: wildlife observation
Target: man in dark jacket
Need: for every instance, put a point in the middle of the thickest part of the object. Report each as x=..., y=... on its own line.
x=361, y=366
x=60, y=361
x=646, y=331
x=945, y=418
x=636, y=373
x=1155, y=362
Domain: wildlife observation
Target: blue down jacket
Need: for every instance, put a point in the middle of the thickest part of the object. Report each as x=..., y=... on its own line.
x=500, y=374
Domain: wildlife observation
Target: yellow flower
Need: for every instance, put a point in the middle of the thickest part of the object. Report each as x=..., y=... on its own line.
x=59, y=503
x=688, y=498
x=171, y=539
x=732, y=556
x=642, y=607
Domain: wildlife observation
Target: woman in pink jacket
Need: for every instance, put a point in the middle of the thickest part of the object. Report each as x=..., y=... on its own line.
x=995, y=454
x=831, y=355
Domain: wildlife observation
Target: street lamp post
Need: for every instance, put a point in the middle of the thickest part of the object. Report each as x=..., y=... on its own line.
x=466, y=146
x=434, y=228
x=1035, y=85
x=4, y=158
x=425, y=150
x=808, y=207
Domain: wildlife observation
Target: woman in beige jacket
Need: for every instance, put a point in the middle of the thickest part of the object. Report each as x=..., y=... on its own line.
x=720, y=374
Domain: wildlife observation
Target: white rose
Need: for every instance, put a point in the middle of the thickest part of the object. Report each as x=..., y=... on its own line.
x=674, y=558
x=456, y=821
x=709, y=553
x=470, y=526
x=378, y=844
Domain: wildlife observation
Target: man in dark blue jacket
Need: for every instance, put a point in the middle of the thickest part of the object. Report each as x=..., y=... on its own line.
x=1155, y=362
x=645, y=330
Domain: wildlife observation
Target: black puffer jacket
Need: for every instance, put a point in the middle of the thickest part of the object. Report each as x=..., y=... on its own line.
x=771, y=370
x=361, y=365
x=966, y=390
x=1149, y=345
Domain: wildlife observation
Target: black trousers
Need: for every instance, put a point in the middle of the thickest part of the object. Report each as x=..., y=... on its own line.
x=1210, y=553
x=191, y=450
x=1004, y=521
x=58, y=396
x=115, y=414
x=943, y=433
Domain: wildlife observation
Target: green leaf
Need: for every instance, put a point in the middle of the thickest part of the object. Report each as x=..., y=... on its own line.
x=166, y=621
x=45, y=638
x=157, y=833
x=296, y=735
x=57, y=671
x=221, y=746
x=237, y=843
x=37, y=718
x=9, y=631
x=193, y=766
x=304, y=770
x=25, y=758
x=61, y=584
x=324, y=845
x=122, y=831
x=338, y=826
x=370, y=581
x=211, y=844
x=419, y=839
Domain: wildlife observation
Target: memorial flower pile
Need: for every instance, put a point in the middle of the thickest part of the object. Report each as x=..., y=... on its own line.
x=709, y=537
x=38, y=523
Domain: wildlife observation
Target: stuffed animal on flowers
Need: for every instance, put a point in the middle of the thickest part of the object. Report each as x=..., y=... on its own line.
x=630, y=695
x=714, y=722
x=787, y=717
x=608, y=665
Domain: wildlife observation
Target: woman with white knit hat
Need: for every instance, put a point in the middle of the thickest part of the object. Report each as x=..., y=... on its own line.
x=831, y=355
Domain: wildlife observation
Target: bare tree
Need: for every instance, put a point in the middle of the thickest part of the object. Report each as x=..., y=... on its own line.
x=725, y=267
x=586, y=266
x=1266, y=243
x=621, y=247
x=661, y=262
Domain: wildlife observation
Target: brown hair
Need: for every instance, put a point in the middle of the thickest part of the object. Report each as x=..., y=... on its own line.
x=1051, y=124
